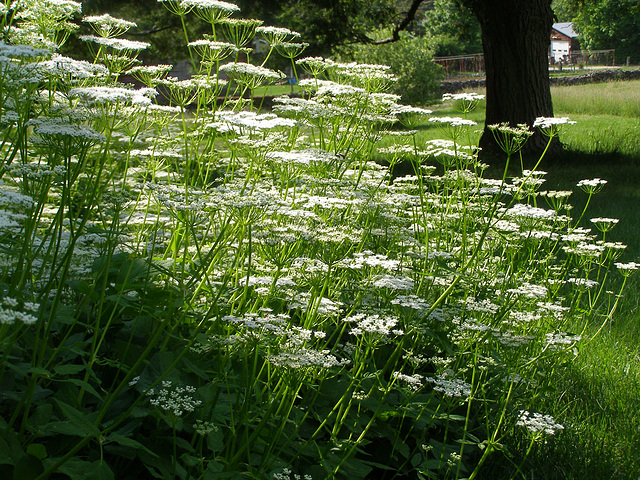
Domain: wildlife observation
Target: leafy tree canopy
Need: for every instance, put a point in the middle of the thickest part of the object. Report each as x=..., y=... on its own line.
x=451, y=28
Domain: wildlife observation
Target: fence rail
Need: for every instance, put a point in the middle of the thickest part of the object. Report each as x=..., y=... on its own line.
x=469, y=65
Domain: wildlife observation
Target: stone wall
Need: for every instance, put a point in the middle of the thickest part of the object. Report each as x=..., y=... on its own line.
x=453, y=86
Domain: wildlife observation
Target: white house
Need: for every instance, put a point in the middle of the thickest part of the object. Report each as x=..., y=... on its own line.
x=564, y=41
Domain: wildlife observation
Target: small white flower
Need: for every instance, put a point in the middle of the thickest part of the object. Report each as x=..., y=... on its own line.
x=119, y=44
x=538, y=423
x=591, y=186
x=453, y=121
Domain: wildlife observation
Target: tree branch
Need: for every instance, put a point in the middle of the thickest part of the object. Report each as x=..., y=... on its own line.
x=409, y=17
x=154, y=29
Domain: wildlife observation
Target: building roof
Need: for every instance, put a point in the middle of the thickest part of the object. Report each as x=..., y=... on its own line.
x=566, y=28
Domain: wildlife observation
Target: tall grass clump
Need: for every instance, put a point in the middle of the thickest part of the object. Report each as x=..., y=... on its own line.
x=194, y=288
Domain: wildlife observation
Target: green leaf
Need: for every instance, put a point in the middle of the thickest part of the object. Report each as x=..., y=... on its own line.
x=6, y=453
x=27, y=467
x=132, y=270
x=69, y=369
x=79, y=469
x=39, y=371
x=77, y=423
x=84, y=385
x=157, y=367
x=129, y=443
x=37, y=450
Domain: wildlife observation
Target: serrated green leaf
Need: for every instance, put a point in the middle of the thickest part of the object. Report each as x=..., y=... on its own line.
x=129, y=443
x=84, y=385
x=42, y=372
x=69, y=369
x=77, y=423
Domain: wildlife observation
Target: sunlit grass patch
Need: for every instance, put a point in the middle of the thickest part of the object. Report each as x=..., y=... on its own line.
x=619, y=98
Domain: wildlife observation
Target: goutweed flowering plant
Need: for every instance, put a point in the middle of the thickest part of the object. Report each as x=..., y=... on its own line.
x=194, y=288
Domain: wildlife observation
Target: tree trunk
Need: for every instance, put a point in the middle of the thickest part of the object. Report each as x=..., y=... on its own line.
x=516, y=41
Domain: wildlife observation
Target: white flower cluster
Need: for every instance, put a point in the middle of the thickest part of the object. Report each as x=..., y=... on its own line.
x=551, y=122
x=104, y=95
x=119, y=44
x=302, y=157
x=627, y=267
x=237, y=121
x=414, y=382
x=367, y=258
x=273, y=33
x=11, y=311
x=393, y=282
x=210, y=4
x=107, y=26
x=556, y=340
x=583, y=282
x=79, y=132
x=555, y=309
x=286, y=474
x=526, y=211
x=21, y=51
x=373, y=324
x=176, y=400
x=453, y=121
x=467, y=97
x=62, y=66
x=8, y=196
x=604, y=224
x=588, y=250
x=450, y=387
x=413, y=302
x=303, y=357
x=203, y=428
x=591, y=185
x=529, y=290
x=314, y=66
x=471, y=304
x=265, y=322
x=332, y=89
x=538, y=423
x=323, y=306
x=239, y=71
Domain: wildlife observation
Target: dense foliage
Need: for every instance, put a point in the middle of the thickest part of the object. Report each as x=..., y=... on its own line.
x=193, y=288
x=451, y=28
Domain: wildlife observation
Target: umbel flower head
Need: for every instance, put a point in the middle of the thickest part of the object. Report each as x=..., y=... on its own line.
x=464, y=102
x=119, y=44
x=551, y=126
x=510, y=139
x=107, y=26
x=277, y=35
x=64, y=139
x=211, y=11
x=591, y=186
x=250, y=75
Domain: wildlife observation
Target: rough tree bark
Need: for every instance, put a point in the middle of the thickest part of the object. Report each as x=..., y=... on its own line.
x=515, y=40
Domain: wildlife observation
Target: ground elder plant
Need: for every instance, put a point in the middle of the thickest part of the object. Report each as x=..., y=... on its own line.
x=191, y=287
